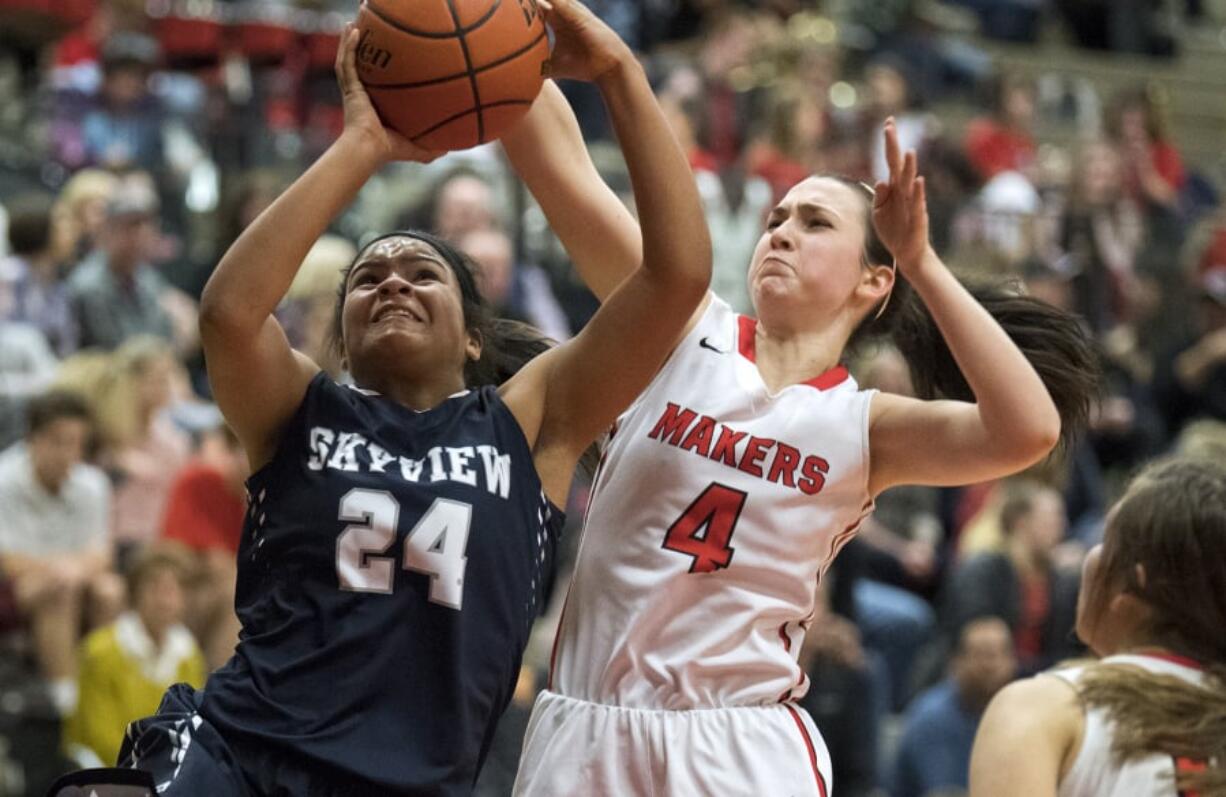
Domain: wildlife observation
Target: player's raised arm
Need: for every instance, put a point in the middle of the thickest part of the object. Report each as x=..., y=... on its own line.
x=1012, y=421
x=548, y=153
x=257, y=379
x=595, y=376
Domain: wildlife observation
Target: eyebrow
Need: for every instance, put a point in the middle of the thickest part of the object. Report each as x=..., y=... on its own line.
x=806, y=207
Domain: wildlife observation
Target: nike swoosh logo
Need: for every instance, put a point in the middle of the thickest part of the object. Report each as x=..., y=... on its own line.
x=706, y=345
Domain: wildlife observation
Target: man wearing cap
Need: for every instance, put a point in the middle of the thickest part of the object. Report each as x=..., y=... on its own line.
x=115, y=291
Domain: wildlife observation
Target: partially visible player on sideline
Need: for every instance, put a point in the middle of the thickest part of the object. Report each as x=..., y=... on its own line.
x=730, y=485
x=1149, y=718
x=401, y=533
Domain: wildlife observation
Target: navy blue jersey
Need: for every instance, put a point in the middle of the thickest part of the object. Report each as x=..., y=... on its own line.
x=391, y=565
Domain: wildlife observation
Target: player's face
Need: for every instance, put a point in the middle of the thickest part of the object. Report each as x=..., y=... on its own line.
x=1089, y=599
x=809, y=257
x=402, y=300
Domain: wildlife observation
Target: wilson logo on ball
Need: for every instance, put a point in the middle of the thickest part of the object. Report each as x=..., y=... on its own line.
x=530, y=9
x=370, y=54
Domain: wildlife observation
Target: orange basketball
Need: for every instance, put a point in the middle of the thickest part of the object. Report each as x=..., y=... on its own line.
x=451, y=74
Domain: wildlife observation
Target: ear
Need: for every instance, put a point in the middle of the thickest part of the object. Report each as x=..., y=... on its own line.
x=1141, y=576
x=475, y=344
x=876, y=283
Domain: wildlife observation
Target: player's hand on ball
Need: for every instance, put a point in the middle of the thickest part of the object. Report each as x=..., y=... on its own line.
x=361, y=119
x=584, y=48
x=900, y=207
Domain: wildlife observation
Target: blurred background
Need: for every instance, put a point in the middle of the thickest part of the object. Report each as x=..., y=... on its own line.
x=1075, y=146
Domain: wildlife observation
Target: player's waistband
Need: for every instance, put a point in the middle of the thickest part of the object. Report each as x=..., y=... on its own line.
x=548, y=696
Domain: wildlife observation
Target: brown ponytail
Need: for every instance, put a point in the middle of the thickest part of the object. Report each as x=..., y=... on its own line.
x=1168, y=715
x=1051, y=339
x=1172, y=521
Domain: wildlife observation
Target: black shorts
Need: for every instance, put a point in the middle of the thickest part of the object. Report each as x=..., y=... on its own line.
x=188, y=757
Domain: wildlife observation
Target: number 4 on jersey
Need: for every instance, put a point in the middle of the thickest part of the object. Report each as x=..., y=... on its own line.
x=704, y=530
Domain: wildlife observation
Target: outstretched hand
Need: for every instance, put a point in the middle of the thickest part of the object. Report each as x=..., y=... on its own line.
x=584, y=47
x=361, y=119
x=900, y=208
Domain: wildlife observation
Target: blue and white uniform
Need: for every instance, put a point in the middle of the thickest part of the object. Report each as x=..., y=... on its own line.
x=391, y=566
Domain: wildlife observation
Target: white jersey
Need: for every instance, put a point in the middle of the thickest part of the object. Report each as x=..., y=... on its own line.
x=716, y=508
x=1095, y=772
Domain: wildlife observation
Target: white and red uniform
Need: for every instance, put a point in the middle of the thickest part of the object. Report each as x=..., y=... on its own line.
x=1095, y=772
x=716, y=508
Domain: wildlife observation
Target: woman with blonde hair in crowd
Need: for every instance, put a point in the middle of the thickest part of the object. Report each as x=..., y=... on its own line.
x=1149, y=718
x=140, y=446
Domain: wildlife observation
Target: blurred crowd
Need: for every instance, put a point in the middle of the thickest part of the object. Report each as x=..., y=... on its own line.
x=138, y=139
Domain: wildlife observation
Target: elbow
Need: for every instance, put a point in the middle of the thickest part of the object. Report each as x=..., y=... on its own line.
x=1034, y=441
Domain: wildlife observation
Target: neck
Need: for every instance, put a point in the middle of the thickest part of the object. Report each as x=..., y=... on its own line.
x=972, y=702
x=52, y=487
x=788, y=357
x=415, y=394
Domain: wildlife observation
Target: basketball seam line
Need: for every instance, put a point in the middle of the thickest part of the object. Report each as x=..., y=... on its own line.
x=462, y=114
x=457, y=75
x=428, y=34
x=468, y=63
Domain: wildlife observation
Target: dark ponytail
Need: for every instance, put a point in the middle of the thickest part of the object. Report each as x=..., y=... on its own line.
x=1052, y=340
x=506, y=346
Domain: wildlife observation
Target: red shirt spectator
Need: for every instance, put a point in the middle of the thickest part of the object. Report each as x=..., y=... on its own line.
x=993, y=148
x=204, y=513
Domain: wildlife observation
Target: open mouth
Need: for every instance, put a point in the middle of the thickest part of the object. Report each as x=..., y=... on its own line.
x=397, y=311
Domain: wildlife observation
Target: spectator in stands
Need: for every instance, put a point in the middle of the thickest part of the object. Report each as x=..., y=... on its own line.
x=787, y=147
x=515, y=290
x=934, y=752
x=1100, y=231
x=891, y=94
x=847, y=691
x=1021, y=584
x=306, y=312
x=204, y=514
x=27, y=368
x=1153, y=169
x=125, y=129
x=31, y=288
x=127, y=665
x=140, y=447
x=54, y=545
x=1004, y=141
x=116, y=292
x=1191, y=381
x=82, y=207
x=463, y=202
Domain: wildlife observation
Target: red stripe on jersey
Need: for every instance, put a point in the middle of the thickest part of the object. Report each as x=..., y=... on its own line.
x=1174, y=658
x=557, y=636
x=804, y=734
x=1188, y=765
x=747, y=346
x=787, y=640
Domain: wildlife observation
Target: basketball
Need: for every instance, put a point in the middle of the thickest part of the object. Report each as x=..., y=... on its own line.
x=451, y=74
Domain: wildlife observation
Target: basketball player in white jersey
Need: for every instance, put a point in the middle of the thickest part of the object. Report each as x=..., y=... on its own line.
x=730, y=485
x=1149, y=718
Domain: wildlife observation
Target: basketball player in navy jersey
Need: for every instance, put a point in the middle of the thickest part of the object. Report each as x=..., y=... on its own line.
x=401, y=533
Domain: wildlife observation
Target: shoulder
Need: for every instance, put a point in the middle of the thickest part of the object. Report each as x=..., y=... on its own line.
x=1044, y=705
x=90, y=481
x=88, y=274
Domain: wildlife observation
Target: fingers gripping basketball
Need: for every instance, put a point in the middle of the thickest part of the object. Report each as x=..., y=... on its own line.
x=451, y=74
